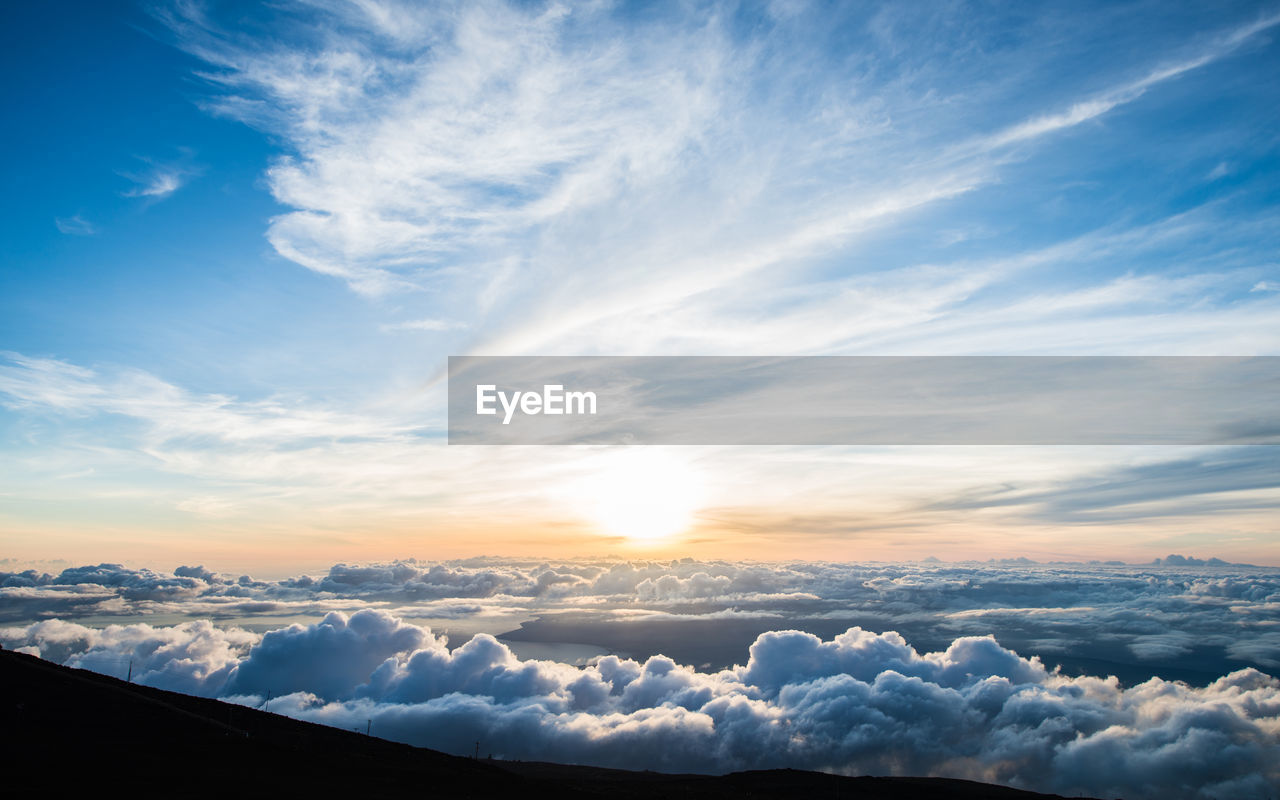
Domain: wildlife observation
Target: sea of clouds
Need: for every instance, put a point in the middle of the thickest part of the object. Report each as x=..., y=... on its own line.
x=859, y=699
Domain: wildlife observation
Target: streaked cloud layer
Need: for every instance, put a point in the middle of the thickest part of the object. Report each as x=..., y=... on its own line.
x=245, y=464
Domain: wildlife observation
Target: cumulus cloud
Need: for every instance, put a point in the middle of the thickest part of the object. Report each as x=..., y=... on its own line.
x=848, y=700
x=1142, y=619
x=860, y=702
x=192, y=657
x=142, y=584
x=327, y=658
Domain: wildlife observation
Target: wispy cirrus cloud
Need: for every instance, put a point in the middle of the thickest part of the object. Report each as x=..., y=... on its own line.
x=158, y=184
x=255, y=455
x=175, y=413
x=159, y=180
x=533, y=178
x=556, y=171
x=383, y=461
x=1207, y=484
x=76, y=225
x=428, y=325
x=1218, y=47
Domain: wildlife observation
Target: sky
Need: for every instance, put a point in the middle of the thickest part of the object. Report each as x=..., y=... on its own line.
x=242, y=241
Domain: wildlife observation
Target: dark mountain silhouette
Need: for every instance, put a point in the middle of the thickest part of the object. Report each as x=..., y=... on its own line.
x=70, y=731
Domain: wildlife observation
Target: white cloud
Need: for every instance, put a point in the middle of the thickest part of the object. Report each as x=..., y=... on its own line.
x=76, y=225
x=579, y=181
x=257, y=458
x=433, y=325
x=1085, y=110
x=173, y=412
x=1149, y=612
x=259, y=453
x=157, y=184
x=159, y=180
x=500, y=120
x=857, y=703
x=1221, y=170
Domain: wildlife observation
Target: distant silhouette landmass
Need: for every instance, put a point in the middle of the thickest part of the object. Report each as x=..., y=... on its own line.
x=1175, y=560
x=110, y=733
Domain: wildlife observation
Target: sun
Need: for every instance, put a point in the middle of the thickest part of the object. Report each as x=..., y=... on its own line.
x=643, y=494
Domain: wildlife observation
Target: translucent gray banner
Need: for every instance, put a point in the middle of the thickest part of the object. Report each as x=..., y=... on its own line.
x=871, y=400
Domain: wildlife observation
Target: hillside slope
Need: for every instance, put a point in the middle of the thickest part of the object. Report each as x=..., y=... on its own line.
x=146, y=741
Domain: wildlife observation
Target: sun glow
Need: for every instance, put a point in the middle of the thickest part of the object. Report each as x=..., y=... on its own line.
x=642, y=494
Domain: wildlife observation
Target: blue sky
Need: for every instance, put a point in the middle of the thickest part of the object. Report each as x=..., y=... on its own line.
x=241, y=241
x=134, y=224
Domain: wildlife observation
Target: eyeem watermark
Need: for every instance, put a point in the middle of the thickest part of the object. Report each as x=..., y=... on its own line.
x=552, y=400
x=865, y=400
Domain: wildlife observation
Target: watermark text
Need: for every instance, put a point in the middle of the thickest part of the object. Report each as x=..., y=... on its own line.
x=553, y=399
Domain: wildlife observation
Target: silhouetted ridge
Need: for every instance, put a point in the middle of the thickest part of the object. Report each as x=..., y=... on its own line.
x=152, y=742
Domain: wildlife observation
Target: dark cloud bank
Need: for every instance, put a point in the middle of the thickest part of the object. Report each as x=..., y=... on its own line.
x=857, y=699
